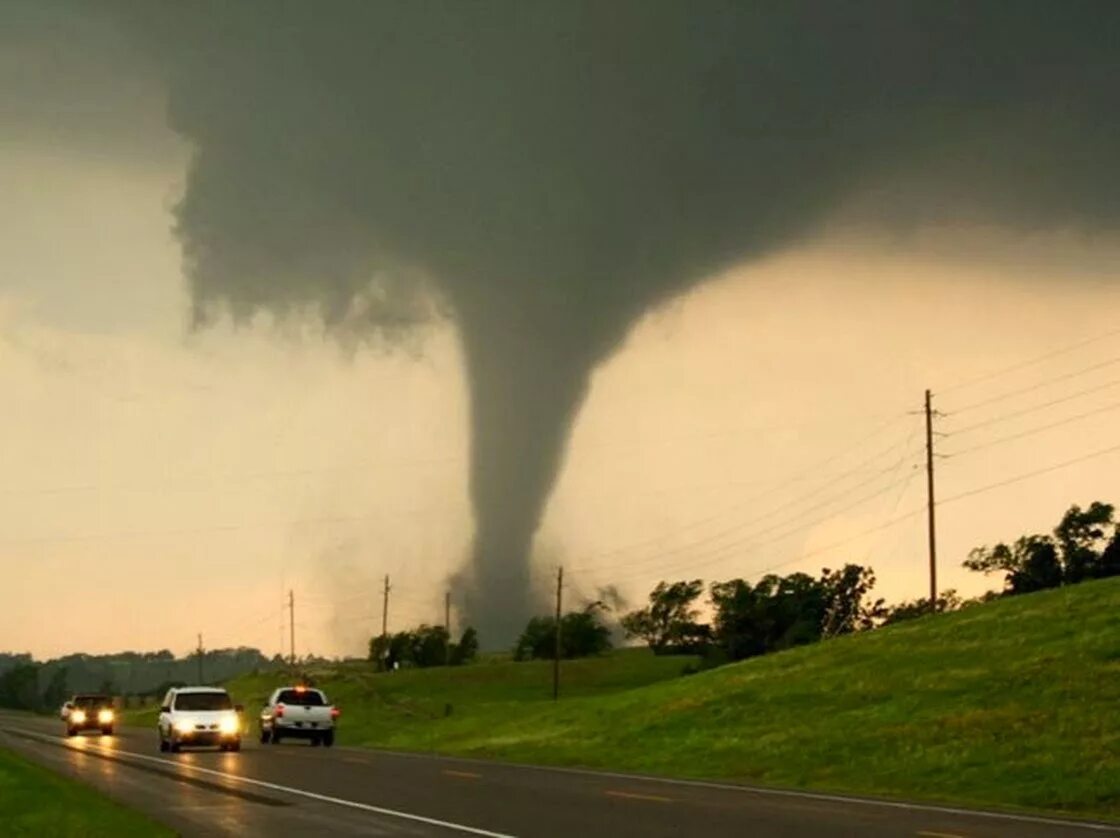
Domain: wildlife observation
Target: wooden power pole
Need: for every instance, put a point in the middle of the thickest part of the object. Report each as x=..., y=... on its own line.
x=292, y=627
x=447, y=627
x=931, y=504
x=199, y=651
x=556, y=654
x=385, y=608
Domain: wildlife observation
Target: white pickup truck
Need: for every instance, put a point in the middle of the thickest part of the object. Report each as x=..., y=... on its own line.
x=298, y=713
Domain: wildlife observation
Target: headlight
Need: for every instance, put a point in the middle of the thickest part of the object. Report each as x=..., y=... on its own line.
x=184, y=727
x=77, y=716
x=228, y=724
x=105, y=717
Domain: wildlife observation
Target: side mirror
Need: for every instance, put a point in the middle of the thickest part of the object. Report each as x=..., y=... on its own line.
x=165, y=709
x=239, y=709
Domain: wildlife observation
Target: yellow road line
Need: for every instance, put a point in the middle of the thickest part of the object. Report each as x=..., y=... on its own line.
x=469, y=775
x=927, y=834
x=630, y=795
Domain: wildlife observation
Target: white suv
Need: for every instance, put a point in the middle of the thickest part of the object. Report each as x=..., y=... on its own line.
x=199, y=716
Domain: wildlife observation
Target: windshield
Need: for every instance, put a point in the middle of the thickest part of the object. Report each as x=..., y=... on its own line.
x=306, y=698
x=87, y=701
x=203, y=701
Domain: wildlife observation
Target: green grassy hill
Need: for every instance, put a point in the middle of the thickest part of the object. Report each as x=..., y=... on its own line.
x=1014, y=703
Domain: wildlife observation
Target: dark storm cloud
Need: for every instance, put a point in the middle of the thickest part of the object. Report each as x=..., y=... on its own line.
x=553, y=170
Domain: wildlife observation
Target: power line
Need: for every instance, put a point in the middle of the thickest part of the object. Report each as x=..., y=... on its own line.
x=721, y=552
x=898, y=519
x=1030, y=362
x=1026, y=475
x=781, y=523
x=797, y=478
x=1037, y=386
x=943, y=502
x=1015, y=414
x=1037, y=430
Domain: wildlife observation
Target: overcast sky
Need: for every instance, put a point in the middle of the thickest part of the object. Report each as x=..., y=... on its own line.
x=149, y=471
x=159, y=481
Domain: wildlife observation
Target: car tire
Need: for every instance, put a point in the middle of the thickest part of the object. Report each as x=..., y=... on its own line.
x=328, y=738
x=174, y=745
x=71, y=731
x=316, y=741
x=164, y=746
x=106, y=731
x=235, y=746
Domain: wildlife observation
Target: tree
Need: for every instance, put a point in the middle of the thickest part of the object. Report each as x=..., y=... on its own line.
x=582, y=634
x=537, y=640
x=845, y=610
x=423, y=646
x=779, y=612
x=19, y=687
x=466, y=650
x=379, y=649
x=57, y=689
x=1110, y=558
x=428, y=646
x=1082, y=536
x=1030, y=564
x=668, y=624
x=775, y=613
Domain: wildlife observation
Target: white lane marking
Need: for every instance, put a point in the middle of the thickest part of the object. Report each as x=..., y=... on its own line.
x=322, y=798
x=1040, y=820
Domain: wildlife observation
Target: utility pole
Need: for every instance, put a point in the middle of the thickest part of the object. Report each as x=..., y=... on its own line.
x=385, y=609
x=931, y=504
x=199, y=651
x=447, y=627
x=556, y=657
x=292, y=627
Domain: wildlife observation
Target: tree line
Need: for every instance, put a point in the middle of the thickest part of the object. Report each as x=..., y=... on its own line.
x=27, y=684
x=780, y=612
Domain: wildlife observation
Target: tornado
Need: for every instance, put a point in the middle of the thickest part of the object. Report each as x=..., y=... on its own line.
x=547, y=172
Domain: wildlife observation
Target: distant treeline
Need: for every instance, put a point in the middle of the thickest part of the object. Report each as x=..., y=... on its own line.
x=42, y=686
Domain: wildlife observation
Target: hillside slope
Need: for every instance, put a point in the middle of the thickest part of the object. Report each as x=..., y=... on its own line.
x=1013, y=703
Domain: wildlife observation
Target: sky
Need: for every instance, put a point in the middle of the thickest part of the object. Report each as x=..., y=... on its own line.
x=161, y=479
x=159, y=482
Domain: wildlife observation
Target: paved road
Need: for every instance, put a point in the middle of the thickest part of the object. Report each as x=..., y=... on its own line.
x=293, y=789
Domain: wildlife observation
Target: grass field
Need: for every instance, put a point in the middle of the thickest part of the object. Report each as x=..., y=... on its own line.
x=35, y=801
x=1010, y=704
